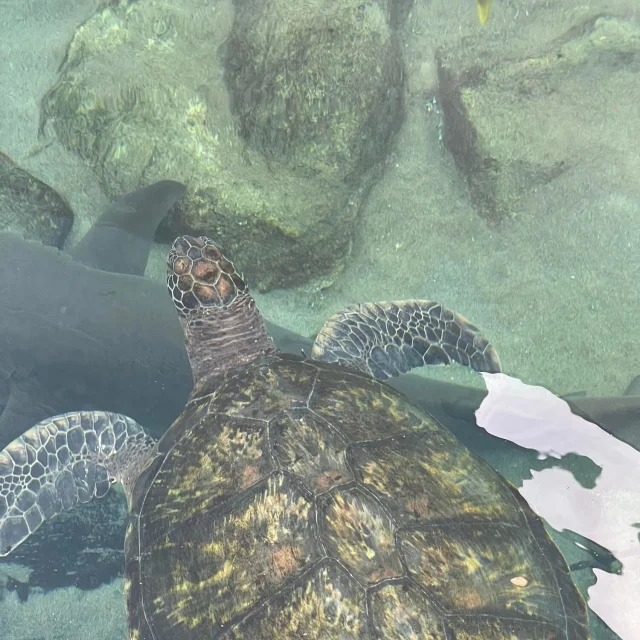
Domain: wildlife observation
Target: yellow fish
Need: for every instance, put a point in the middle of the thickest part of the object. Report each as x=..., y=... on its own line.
x=483, y=7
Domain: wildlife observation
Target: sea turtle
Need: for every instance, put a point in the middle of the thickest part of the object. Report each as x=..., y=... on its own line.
x=302, y=498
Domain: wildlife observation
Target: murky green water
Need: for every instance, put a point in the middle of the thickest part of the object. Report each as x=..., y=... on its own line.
x=339, y=152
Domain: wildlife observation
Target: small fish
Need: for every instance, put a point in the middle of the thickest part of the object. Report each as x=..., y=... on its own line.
x=483, y=7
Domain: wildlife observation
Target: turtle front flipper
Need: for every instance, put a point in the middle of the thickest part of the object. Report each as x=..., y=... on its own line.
x=386, y=339
x=64, y=460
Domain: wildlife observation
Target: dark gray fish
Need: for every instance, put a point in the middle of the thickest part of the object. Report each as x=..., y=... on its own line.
x=634, y=387
x=121, y=239
x=618, y=416
x=75, y=334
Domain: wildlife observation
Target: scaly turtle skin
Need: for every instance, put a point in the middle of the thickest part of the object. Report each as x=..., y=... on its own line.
x=301, y=498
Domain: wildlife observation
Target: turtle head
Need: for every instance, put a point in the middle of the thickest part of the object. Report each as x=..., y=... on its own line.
x=200, y=279
x=222, y=326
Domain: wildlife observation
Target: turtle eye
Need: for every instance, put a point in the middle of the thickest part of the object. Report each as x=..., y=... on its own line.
x=186, y=303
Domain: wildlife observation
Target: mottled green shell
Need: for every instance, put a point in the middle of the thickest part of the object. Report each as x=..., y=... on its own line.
x=298, y=500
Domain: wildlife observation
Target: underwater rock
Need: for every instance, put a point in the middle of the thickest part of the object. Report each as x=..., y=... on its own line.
x=513, y=124
x=278, y=115
x=32, y=208
x=315, y=88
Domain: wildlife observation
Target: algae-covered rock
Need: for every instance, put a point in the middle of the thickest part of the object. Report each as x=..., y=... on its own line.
x=276, y=114
x=514, y=124
x=315, y=86
x=30, y=207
